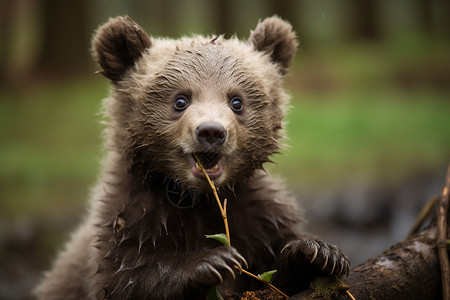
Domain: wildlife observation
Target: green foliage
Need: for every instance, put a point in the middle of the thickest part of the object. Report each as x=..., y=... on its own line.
x=50, y=148
x=221, y=237
x=214, y=294
x=360, y=134
x=362, y=125
x=267, y=276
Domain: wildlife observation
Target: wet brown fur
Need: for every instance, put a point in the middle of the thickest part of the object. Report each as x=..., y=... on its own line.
x=134, y=244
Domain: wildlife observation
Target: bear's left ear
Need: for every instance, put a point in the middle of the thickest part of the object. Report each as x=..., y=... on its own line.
x=276, y=38
x=117, y=45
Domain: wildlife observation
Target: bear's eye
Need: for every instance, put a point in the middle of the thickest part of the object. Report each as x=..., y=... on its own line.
x=236, y=104
x=181, y=102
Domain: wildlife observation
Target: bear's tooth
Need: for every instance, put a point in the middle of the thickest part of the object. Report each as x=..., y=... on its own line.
x=215, y=168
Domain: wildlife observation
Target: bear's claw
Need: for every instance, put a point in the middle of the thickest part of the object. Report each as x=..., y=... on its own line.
x=218, y=264
x=326, y=258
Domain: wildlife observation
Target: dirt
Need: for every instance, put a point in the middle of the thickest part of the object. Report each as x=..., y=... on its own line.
x=266, y=294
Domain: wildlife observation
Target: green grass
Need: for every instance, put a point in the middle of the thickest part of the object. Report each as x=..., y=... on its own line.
x=379, y=112
x=50, y=146
x=362, y=126
x=379, y=136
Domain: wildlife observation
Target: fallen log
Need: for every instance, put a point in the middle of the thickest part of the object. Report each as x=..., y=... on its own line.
x=408, y=270
x=414, y=269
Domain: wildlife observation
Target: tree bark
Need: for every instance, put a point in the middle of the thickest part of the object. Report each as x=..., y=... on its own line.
x=66, y=35
x=408, y=270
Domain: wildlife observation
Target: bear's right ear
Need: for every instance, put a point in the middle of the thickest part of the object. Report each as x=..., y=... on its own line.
x=117, y=45
x=276, y=38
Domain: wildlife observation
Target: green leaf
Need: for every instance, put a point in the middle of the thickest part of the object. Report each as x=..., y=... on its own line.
x=267, y=276
x=214, y=294
x=221, y=237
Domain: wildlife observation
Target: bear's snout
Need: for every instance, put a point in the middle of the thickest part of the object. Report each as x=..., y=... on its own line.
x=211, y=134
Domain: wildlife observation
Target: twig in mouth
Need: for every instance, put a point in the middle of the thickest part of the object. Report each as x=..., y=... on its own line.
x=223, y=211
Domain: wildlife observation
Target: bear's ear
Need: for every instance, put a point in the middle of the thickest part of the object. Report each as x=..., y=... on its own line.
x=276, y=38
x=117, y=45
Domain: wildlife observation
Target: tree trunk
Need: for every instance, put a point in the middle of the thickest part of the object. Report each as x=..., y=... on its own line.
x=408, y=270
x=224, y=18
x=8, y=11
x=66, y=35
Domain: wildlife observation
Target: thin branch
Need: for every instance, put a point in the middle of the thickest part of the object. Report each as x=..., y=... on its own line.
x=350, y=295
x=223, y=211
x=441, y=235
x=424, y=213
x=263, y=281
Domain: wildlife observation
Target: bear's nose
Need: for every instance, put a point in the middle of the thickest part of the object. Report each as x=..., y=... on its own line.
x=211, y=134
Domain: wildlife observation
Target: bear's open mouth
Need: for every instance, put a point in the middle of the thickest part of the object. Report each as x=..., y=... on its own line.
x=211, y=161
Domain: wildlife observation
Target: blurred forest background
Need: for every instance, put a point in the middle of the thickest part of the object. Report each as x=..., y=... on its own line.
x=369, y=128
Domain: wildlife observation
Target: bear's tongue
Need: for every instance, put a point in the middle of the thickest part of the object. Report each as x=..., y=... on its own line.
x=209, y=160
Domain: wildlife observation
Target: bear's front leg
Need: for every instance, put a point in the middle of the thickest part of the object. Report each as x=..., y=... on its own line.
x=304, y=260
x=173, y=276
x=211, y=268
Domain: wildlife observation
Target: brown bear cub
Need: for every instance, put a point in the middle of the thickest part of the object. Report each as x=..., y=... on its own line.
x=223, y=101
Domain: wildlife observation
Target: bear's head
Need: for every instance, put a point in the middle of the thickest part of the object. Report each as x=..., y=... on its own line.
x=219, y=99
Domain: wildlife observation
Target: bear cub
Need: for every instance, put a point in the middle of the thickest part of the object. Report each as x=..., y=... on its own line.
x=221, y=100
